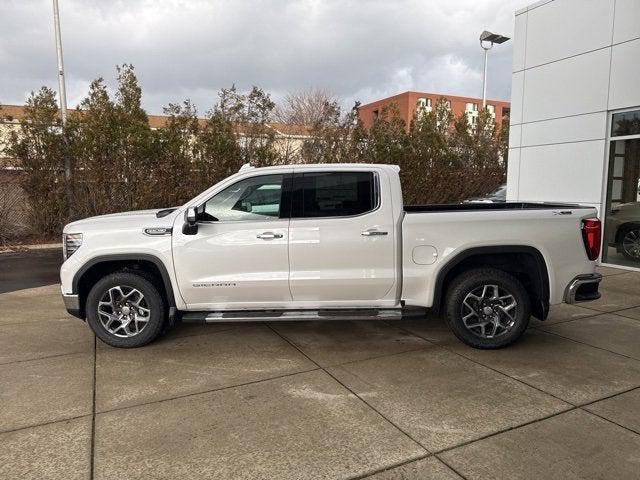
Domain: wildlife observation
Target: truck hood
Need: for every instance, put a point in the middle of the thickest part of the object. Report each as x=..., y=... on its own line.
x=136, y=218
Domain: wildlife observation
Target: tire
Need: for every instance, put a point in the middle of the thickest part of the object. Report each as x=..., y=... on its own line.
x=499, y=318
x=630, y=243
x=125, y=310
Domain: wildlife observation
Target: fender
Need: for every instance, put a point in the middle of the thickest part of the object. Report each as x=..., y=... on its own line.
x=542, y=280
x=117, y=257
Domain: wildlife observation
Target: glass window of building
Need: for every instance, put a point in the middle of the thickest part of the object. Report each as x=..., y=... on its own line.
x=622, y=225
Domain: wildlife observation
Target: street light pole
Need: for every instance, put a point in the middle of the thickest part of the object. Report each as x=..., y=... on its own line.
x=484, y=76
x=62, y=89
x=487, y=39
x=61, y=83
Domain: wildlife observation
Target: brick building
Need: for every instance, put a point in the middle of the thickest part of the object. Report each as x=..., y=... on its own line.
x=410, y=102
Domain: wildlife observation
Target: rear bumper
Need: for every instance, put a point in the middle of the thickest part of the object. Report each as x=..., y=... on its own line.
x=72, y=304
x=583, y=288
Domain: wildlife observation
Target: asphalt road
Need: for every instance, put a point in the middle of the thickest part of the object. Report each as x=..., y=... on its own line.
x=29, y=269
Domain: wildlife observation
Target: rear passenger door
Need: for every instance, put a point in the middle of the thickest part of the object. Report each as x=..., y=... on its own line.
x=341, y=240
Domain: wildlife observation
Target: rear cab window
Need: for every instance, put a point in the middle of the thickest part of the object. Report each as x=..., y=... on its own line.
x=334, y=194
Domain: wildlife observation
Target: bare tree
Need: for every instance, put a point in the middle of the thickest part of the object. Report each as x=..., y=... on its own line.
x=306, y=107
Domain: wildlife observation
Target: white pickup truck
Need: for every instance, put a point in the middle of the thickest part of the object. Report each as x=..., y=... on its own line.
x=325, y=242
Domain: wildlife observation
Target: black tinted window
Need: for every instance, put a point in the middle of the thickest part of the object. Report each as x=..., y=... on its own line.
x=334, y=194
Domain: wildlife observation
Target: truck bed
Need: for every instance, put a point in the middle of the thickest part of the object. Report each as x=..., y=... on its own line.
x=463, y=207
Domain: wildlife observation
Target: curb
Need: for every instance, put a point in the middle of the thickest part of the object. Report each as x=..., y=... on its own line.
x=23, y=248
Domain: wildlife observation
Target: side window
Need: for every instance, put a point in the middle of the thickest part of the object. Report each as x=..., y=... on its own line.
x=254, y=198
x=334, y=194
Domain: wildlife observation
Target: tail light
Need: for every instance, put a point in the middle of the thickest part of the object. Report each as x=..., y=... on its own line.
x=591, y=234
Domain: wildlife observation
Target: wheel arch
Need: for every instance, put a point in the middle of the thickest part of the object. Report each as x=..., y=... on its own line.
x=523, y=261
x=144, y=264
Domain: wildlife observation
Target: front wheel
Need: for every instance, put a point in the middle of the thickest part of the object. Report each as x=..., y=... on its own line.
x=125, y=310
x=487, y=308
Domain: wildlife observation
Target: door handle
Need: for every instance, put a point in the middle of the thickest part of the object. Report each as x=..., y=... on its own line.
x=370, y=233
x=269, y=235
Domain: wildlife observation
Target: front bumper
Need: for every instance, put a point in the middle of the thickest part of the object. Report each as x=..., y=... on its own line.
x=72, y=304
x=583, y=288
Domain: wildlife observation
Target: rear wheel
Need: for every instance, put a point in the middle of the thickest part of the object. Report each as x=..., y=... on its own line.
x=487, y=308
x=125, y=310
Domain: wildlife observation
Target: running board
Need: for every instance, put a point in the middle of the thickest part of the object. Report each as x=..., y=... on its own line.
x=292, y=315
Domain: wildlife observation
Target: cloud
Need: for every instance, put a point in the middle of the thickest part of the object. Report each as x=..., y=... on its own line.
x=360, y=50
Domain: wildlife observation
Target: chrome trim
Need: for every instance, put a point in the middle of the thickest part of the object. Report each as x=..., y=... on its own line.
x=292, y=315
x=157, y=231
x=269, y=235
x=572, y=288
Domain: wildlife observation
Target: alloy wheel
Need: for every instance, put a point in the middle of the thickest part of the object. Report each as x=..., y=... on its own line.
x=631, y=244
x=123, y=311
x=489, y=311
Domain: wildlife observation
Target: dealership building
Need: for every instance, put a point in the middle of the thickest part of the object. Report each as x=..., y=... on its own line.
x=575, y=114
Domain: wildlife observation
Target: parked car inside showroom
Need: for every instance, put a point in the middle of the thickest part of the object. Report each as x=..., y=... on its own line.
x=623, y=229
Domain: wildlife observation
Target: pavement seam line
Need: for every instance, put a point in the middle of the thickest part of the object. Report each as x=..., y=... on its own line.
x=44, y=424
x=443, y=347
x=622, y=392
x=611, y=421
x=451, y=467
x=616, y=313
x=419, y=349
x=93, y=411
x=193, y=394
x=350, y=390
x=592, y=346
x=58, y=355
x=390, y=467
x=504, y=430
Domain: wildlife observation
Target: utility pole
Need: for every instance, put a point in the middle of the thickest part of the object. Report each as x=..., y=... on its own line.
x=62, y=90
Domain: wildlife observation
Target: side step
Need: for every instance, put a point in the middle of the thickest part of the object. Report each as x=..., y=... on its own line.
x=292, y=315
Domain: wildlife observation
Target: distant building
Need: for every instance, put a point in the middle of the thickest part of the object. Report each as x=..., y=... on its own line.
x=410, y=103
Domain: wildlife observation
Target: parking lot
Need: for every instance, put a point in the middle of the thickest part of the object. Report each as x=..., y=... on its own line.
x=328, y=400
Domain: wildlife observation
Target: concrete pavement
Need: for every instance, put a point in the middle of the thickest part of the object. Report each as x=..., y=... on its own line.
x=326, y=400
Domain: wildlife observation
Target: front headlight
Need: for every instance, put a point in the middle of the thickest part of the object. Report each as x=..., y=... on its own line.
x=70, y=243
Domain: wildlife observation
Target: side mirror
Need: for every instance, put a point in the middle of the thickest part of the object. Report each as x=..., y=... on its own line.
x=190, y=226
x=191, y=217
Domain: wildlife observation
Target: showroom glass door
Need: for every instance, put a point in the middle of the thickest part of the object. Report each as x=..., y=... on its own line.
x=622, y=225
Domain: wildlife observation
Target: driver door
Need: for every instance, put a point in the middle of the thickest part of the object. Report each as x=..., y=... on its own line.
x=238, y=259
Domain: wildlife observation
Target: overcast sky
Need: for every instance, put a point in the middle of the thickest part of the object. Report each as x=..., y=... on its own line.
x=357, y=49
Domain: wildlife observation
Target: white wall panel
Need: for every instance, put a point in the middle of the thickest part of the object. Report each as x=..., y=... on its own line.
x=517, y=91
x=513, y=173
x=625, y=75
x=569, y=172
x=515, y=134
x=568, y=129
x=519, y=41
x=627, y=23
x=567, y=27
x=569, y=87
